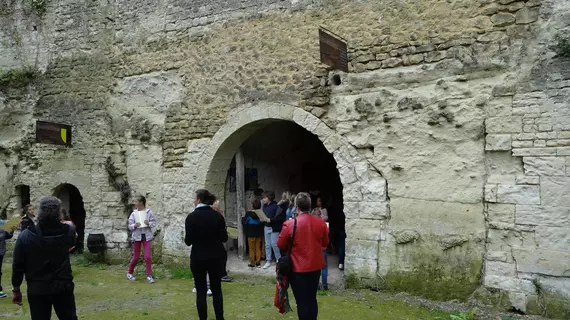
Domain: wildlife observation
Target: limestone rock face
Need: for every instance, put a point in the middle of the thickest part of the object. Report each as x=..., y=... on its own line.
x=450, y=132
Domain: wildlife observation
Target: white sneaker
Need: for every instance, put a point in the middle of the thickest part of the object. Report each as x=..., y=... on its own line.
x=194, y=290
x=131, y=277
x=149, y=279
x=341, y=266
x=267, y=265
x=209, y=292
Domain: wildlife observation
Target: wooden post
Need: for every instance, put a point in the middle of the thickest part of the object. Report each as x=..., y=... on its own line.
x=240, y=196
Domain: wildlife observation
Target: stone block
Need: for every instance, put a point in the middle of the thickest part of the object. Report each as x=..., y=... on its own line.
x=491, y=193
x=499, y=107
x=501, y=179
x=369, y=230
x=502, y=213
x=522, y=179
x=362, y=249
x=518, y=301
x=542, y=215
x=563, y=151
x=498, y=268
x=518, y=194
x=374, y=189
x=526, y=15
x=363, y=268
x=498, y=142
x=374, y=210
x=501, y=282
x=506, y=124
x=522, y=144
x=546, y=262
x=554, y=191
x=530, y=152
x=553, y=237
x=544, y=166
x=497, y=256
x=503, y=19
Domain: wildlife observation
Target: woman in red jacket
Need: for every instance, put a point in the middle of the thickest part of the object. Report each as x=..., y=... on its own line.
x=306, y=254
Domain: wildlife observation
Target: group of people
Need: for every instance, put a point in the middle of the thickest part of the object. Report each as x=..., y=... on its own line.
x=42, y=251
x=264, y=223
x=303, y=238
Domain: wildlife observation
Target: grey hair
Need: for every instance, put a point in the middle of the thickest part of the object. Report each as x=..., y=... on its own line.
x=49, y=211
x=303, y=202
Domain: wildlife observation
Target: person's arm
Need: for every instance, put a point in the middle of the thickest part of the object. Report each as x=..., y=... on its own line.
x=19, y=261
x=223, y=231
x=325, y=214
x=131, y=223
x=188, y=227
x=283, y=240
x=151, y=220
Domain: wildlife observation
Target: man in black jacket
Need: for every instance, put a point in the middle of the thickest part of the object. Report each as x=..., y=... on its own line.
x=42, y=255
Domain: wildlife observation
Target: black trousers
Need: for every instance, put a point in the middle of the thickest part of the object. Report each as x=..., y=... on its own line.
x=63, y=304
x=304, y=286
x=212, y=268
x=225, y=270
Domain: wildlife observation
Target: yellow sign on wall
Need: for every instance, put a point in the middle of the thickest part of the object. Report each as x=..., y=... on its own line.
x=53, y=133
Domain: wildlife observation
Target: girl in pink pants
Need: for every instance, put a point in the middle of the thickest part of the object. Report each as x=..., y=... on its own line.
x=142, y=237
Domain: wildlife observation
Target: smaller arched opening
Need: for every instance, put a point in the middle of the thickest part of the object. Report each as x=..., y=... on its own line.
x=72, y=202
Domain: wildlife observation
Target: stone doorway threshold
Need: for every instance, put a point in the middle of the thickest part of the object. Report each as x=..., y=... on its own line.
x=236, y=265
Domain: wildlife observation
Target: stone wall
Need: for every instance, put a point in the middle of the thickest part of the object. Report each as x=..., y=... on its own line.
x=450, y=131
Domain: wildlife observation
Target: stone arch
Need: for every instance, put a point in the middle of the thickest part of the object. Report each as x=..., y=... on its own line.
x=366, y=204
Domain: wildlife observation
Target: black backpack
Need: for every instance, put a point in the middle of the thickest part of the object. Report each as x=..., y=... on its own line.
x=285, y=264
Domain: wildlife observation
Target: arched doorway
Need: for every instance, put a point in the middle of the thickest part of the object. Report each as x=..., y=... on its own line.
x=364, y=194
x=72, y=201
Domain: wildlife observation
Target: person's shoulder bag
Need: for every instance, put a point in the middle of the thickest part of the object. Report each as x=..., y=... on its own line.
x=285, y=264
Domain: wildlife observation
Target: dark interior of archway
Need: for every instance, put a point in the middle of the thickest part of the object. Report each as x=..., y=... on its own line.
x=73, y=201
x=286, y=157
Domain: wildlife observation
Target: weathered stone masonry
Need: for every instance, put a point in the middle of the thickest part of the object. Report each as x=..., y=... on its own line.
x=450, y=132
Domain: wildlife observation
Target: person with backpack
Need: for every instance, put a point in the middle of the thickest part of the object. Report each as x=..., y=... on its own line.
x=42, y=256
x=304, y=238
x=253, y=230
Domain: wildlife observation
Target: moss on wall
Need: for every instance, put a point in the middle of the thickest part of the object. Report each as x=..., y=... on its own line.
x=17, y=78
x=549, y=304
x=426, y=269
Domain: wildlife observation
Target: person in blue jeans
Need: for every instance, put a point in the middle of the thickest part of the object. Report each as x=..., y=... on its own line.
x=270, y=210
x=321, y=212
x=4, y=235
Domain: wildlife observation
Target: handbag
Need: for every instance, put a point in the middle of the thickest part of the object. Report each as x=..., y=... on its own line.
x=285, y=264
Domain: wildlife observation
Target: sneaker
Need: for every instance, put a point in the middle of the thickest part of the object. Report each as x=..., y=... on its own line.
x=227, y=279
x=341, y=266
x=209, y=292
x=149, y=279
x=267, y=265
x=251, y=265
x=131, y=277
x=2, y=294
x=194, y=290
x=258, y=265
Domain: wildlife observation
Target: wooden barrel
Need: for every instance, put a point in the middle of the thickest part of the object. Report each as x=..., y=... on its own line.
x=96, y=242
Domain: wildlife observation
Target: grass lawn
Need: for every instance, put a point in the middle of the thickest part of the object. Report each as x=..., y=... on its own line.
x=102, y=292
